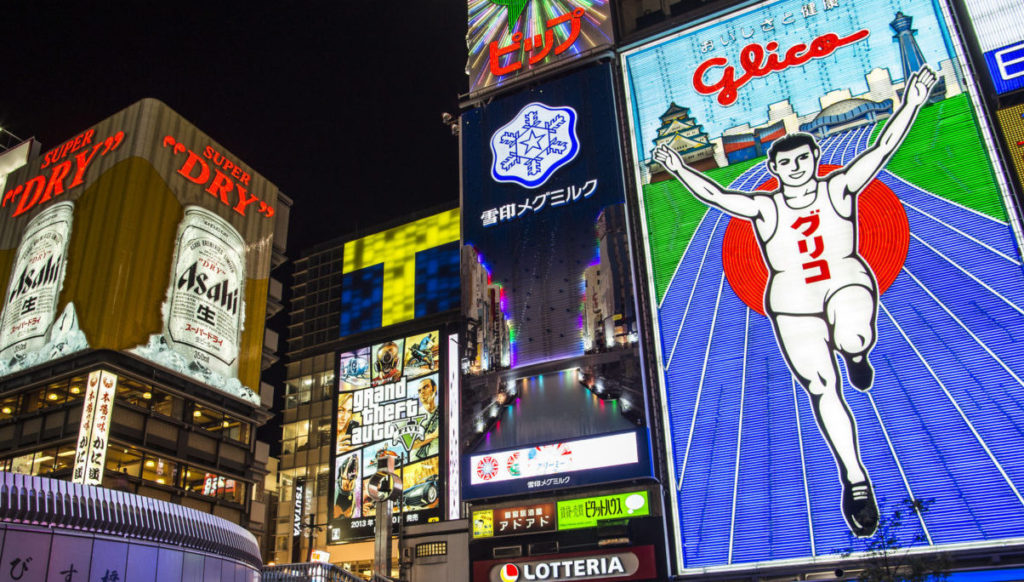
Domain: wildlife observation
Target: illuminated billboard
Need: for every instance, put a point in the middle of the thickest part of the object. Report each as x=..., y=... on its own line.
x=999, y=35
x=389, y=401
x=139, y=234
x=836, y=279
x=404, y=272
x=546, y=279
x=565, y=514
x=510, y=39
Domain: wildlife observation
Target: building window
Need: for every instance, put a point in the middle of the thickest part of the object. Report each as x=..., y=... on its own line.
x=324, y=430
x=134, y=393
x=211, y=484
x=124, y=461
x=295, y=437
x=297, y=392
x=10, y=406
x=159, y=470
x=44, y=462
x=216, y=422
x=167, y=405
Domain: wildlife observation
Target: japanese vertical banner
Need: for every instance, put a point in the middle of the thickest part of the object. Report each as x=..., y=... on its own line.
x=94, y=428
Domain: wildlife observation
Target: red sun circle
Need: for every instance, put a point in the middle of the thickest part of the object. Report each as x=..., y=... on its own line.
x=883, y=239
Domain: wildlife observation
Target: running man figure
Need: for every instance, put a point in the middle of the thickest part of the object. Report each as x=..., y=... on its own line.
x=821, y=295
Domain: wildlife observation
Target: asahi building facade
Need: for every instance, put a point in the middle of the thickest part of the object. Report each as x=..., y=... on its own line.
x=135, y=265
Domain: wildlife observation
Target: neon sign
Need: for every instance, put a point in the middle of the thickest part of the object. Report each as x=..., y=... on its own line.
x=197, y=171
x=543, y=43
x=511, y=38
x=42, y=189
x=754, y=63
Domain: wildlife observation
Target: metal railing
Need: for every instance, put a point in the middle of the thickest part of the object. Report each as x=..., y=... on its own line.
x=312, y=572
x=40, y=501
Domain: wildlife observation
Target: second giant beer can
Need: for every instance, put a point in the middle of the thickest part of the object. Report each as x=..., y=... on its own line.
x=204, y=313
x=30, y=306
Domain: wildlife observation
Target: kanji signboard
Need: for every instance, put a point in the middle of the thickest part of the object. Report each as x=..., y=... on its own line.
x=509, y=39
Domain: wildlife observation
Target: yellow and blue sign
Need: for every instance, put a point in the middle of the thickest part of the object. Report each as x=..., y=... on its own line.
x=401, y=273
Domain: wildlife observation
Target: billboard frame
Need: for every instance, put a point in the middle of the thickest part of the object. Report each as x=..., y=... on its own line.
x=990, y=139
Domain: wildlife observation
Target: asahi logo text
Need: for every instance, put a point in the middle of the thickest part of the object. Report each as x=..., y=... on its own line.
x=32, y=277
x=193, y=281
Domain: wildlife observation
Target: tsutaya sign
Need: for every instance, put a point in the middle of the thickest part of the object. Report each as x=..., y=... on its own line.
x=632, y=564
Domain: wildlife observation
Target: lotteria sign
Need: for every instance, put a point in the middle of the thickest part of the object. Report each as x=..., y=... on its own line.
x=632, y=564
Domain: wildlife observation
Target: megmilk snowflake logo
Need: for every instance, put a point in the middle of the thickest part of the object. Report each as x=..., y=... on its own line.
x=538, y=141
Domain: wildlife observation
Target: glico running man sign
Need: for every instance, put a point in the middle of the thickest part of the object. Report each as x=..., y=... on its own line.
x=837, y=281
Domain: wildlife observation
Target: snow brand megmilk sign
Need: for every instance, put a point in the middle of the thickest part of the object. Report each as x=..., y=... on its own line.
x=837, y=281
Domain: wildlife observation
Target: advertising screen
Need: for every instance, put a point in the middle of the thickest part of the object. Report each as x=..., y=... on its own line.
x=509, y=39
x=404, y=272
x=1000, y=37
x=547, y=288
x=837, y=283
x=139, y=234
x=389, y=401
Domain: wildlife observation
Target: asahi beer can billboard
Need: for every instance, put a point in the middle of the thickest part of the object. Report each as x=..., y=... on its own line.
x=139, y=234
x=203, y=318
x=836, y=267
x=30, y=307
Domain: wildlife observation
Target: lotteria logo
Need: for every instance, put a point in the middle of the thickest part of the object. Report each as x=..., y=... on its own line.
x=583, y=568
x=509, y=573
x=536, y=142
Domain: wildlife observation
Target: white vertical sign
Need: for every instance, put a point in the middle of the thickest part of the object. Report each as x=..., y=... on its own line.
x=454, y=390
x=94, y=428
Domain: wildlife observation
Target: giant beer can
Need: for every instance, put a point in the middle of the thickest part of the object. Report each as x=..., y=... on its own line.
x=203, y=317
x=37, y=277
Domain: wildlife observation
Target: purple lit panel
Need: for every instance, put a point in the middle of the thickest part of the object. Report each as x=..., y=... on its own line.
x=192, y=567
x=213, y=570
x=69, y=556
x=107, y=558
x=25, y=554
x=140, y=563
x=169, y=566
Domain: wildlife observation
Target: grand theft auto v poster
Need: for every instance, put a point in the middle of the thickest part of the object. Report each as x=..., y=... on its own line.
x=388, y=402
x=836, y=269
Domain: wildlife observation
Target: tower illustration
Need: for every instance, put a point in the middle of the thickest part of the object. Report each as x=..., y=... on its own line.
x=911, y=56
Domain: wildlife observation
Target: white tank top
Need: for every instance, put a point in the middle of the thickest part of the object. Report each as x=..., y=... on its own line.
x=811, y=254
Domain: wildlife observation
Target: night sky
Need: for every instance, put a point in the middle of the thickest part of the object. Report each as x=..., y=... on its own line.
x=338, y=103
